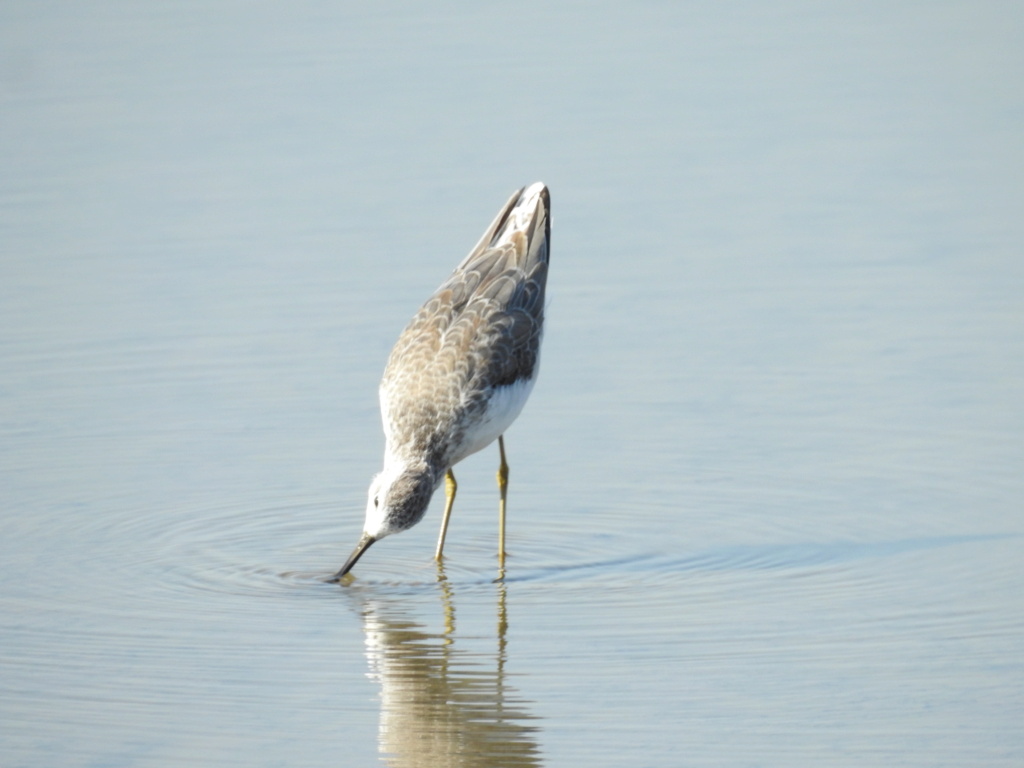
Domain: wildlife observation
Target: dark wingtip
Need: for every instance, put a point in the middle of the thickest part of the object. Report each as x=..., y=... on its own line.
x=361, y=547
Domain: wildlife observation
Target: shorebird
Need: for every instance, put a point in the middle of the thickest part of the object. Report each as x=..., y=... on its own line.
x=461, y=371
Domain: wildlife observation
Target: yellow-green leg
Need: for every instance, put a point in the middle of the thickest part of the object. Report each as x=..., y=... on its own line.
x=450, y=486
x=503, y=491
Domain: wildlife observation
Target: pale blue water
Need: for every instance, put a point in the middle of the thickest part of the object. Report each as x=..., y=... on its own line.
x=766, y=499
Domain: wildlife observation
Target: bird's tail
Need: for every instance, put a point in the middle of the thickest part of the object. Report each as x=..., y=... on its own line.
x=527, y=213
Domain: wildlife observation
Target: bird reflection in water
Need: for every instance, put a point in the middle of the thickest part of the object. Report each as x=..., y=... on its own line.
x=442, y=706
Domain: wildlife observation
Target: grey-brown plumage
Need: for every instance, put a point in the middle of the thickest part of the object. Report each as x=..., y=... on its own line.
x=462, y=369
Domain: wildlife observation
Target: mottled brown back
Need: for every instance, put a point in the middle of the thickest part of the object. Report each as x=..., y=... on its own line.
x=480, y=330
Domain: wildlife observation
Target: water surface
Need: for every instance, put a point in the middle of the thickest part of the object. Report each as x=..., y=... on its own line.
x=765, y=502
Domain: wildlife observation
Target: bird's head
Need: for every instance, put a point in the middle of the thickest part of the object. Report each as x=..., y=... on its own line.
x=397, y=500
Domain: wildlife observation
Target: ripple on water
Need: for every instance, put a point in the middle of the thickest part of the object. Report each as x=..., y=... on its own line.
x=203, y=561
x=169, y=600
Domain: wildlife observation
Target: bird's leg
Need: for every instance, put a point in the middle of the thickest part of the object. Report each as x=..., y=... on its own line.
x=503, y=491
x=450, y=486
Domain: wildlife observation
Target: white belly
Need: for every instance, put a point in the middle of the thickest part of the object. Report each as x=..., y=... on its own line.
x=504, y=406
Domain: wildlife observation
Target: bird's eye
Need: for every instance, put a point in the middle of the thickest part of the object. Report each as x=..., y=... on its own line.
x=376, y=501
